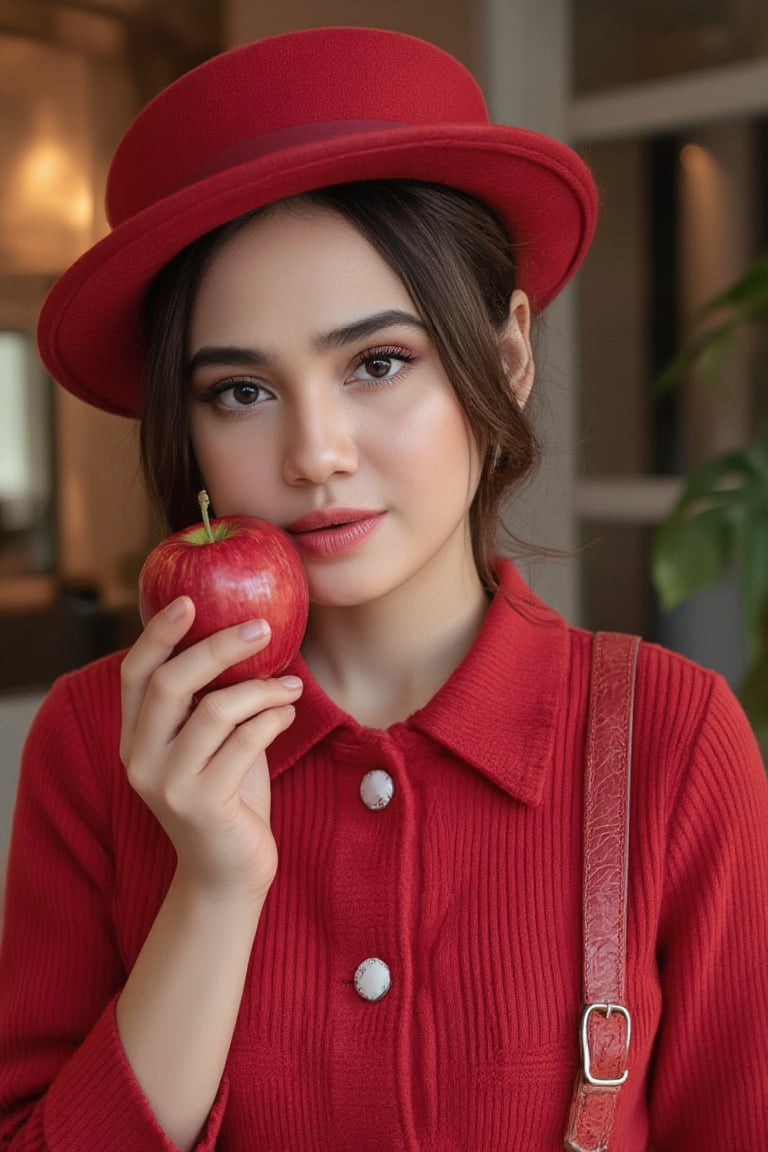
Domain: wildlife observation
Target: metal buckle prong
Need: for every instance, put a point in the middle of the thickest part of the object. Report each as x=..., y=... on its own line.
x=607, y=1010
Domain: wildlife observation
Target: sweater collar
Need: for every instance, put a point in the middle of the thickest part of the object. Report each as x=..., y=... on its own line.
x=497, y=712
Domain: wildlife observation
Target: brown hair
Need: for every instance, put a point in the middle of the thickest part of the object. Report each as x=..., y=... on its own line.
x=457, y=263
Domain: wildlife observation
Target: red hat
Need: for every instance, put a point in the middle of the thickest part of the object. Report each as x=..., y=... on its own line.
x=282, y=116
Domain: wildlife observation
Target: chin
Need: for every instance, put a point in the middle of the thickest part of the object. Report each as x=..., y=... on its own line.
x=338, y=589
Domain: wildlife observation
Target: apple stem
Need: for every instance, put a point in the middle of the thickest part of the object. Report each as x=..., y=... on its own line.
x=204, y=501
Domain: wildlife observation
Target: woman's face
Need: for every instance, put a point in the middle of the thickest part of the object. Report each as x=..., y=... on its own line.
x=318, y=402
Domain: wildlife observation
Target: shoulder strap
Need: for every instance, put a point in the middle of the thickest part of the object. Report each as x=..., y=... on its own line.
x=605, y=1024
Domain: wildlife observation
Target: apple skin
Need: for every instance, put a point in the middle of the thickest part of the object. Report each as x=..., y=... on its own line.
x=251, y=570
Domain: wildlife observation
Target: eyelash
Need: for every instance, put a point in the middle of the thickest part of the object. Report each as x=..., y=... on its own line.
x=212, y=394
x=386, y=352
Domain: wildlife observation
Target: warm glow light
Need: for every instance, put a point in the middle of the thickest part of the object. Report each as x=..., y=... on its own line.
x=47, y=157
x=79, y=208
x=44, y=164
x=694, y=158
x=49, y=184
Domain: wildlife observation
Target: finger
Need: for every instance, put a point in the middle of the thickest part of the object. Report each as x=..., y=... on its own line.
x=190, y=671
x=220, y=714
x=172, y=686
x=227, y=771
x=153, y=648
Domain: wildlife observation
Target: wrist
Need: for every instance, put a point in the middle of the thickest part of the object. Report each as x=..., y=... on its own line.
x=198, y=897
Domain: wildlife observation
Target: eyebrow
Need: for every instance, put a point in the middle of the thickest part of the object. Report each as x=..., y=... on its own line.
x=238, y=357
x=368, y=326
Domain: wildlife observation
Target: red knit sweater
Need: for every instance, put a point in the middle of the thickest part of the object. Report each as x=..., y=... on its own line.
x=467, y=884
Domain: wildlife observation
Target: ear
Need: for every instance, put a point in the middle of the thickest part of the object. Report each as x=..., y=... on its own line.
x=516, y=349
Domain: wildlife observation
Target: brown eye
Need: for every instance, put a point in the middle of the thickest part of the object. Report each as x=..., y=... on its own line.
x=378, y=366
x=245, y=393
x=233, y=396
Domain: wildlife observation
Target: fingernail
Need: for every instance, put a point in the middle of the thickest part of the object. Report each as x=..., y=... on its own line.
x=253, y=630
x=177, y=608
x=291, y=683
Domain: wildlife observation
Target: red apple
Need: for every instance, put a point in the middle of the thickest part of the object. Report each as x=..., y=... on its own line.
x=236, y=568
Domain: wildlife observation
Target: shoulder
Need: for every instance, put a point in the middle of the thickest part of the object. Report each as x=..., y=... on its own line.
x=672, y=692
x=82, y=705
x=681, y=708
x=690, y=734
x=70, y=763
x=688, y=714
x=102, y=675
x=92, y=685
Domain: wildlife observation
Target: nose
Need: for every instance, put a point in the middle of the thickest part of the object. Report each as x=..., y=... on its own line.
x=319, y=441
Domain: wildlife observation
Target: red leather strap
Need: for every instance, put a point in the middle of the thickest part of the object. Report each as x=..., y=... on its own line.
x=605, y=1023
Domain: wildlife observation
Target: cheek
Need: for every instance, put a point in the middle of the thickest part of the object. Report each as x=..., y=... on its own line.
x=435, y=441
x=230, y=465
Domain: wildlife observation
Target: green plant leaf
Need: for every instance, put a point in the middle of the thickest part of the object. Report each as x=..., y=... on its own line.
x=690, y=553
x=755, y=458
x=688, y=356
x=752, y=562
x=720, y=481
x=715, y=352
x=748, y=296
x=742, y=303
x=754, y=694
x=721, y=518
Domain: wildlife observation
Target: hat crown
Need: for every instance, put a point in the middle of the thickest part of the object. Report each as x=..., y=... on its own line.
x=283, y=86
x=280, y=118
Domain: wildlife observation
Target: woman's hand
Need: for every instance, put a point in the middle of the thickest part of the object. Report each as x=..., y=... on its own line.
x=199, y=763
x=201, y=766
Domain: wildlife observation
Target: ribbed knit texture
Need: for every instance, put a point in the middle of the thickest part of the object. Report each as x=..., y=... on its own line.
x=468, y=885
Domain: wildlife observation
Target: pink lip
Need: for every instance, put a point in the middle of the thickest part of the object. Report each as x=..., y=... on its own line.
x=333, y=531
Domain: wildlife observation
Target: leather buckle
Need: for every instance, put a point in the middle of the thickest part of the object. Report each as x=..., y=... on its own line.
x=607, y=1010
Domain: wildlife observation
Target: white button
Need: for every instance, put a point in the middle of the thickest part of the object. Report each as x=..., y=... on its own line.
x=372, y=980
x=377, y=789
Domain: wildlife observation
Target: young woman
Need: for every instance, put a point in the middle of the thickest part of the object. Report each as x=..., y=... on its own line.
x=341, y=909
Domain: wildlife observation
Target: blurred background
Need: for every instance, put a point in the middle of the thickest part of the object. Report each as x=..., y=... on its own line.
x=668, y=102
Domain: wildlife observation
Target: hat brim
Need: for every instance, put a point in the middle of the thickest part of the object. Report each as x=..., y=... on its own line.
x=90, y=331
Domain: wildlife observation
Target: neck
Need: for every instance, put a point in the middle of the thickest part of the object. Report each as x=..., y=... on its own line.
x=382, y=660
